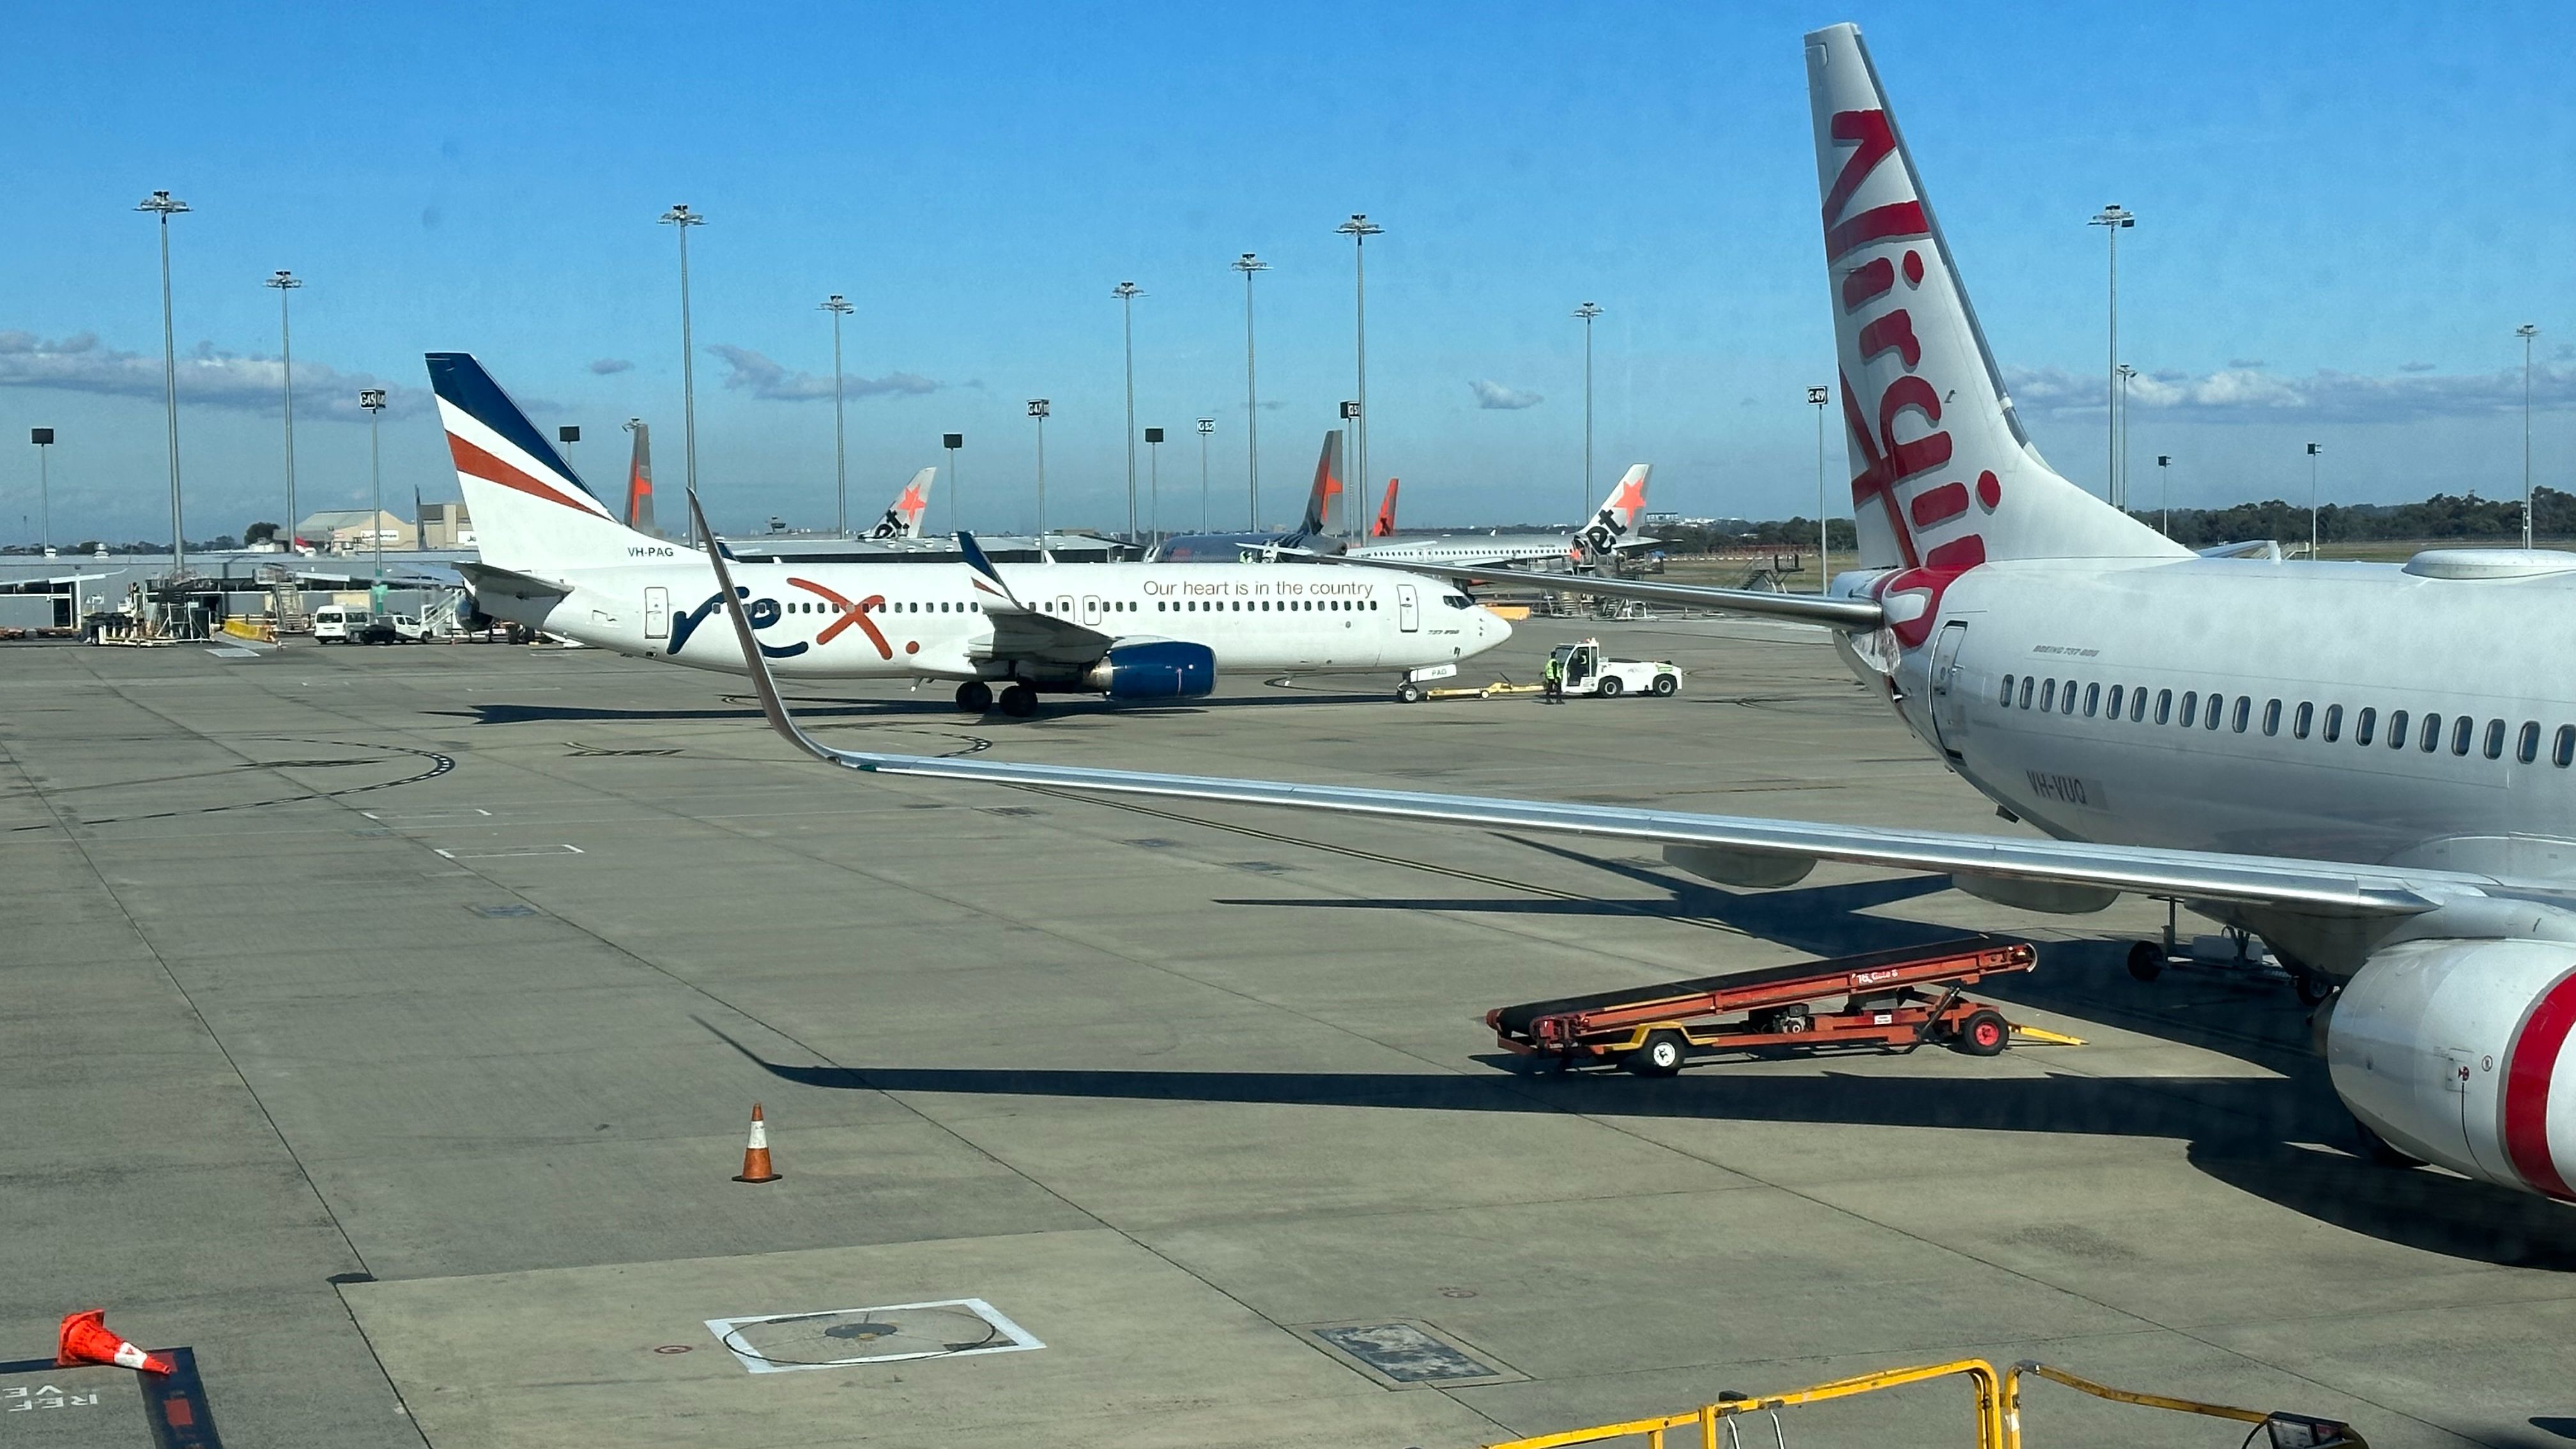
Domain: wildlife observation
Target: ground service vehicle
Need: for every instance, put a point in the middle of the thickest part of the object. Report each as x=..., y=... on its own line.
x=1892, y=1000
x=1587, y=672
x=336, y=624
x=394, y=629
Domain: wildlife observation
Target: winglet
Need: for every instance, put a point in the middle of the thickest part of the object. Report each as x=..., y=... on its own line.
x=987, y=578
x=758, y=666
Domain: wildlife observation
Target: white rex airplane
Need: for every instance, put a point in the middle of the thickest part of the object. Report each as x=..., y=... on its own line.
x=1610, y=530
x=553, y=557
x=2373, y=766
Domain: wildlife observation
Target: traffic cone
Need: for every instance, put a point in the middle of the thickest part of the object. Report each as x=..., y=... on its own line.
x=755, y=1157
x=85, y=1339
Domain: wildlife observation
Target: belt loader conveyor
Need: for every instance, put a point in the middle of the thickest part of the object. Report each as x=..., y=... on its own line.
x=1893, y=1000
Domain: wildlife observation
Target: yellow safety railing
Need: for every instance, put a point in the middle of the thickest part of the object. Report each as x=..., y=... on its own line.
x=1998, y=1410
x=2287, y=1431
x=1979, y=1373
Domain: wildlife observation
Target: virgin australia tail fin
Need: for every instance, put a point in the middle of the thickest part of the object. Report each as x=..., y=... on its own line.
x=639, y=480
x=1947, y=478
x=530, y=513
x=903, y=516
x=1385, y=525
x=1328, y=486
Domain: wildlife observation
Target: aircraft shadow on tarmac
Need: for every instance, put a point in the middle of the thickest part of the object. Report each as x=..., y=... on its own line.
x=2284, y=1139
x=744, y=709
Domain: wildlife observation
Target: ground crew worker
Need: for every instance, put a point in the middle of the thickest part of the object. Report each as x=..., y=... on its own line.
x=1555, y=679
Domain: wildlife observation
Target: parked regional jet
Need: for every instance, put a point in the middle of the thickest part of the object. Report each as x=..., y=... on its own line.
x=1384, y=527
x=554, y=558
x=1608, y=532
x=2373, y=766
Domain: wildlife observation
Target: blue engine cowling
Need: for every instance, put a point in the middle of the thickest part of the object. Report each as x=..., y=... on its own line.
x=1158, y=669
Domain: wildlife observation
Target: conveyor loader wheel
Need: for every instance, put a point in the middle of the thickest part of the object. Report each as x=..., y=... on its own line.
x=1985, y=1033
x=1661, y=1056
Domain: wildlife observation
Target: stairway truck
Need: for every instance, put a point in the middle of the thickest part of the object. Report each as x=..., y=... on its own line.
x=1585, y=670
x=1887, y=1000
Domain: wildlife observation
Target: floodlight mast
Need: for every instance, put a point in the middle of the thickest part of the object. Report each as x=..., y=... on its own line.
x=839, y=306
x=2113, y=219
x=1249, y=264
x=286, y=282
x=681, y=218
x=168, y=206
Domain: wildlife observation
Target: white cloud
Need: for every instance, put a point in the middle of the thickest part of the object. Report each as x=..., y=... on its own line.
x=607, y=365
x=207, y=377
x=763, y=378
x=2239, y=393
x=1494, y=395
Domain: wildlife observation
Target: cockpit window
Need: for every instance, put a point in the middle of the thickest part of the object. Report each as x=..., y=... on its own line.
x=1458, y=601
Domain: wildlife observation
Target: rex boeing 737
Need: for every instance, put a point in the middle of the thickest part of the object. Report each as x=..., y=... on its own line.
x=554, y=558
x=2373, y=766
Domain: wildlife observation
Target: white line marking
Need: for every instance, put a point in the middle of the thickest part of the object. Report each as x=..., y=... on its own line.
x=504, y=854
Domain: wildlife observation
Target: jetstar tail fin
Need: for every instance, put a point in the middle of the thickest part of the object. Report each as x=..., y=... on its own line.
x=903, y=516
x=1328, y=485
x=639, y=480
x=1385, y=525
x=1617, y=516
x=1946, y=477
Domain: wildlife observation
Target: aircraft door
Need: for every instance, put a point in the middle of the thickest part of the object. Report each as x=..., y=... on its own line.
x=1091, y=608
x=1408, y=608
x=657, y=613
x=1949, y=701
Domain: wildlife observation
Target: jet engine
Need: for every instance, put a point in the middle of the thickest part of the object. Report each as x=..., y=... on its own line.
x=2457, y=1052
x=1154, y=669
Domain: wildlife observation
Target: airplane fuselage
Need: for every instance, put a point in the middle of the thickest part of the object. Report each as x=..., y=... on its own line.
x=843, y=620
x=2352, y=712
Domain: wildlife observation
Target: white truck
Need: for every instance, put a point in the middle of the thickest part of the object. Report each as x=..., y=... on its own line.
x=1585, y=671
x=396, y=629
x=339, y=624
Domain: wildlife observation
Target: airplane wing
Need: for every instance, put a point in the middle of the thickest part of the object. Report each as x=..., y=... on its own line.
x=2315, y=887
x=1020, y=632
x=1843, y=613
x=509, y=583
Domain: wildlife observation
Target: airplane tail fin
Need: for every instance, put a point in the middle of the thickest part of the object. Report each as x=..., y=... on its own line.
x=639, y=480
x=1947, y=479
x=1385, y=525
x=1328, y=485
x=531, y=514
x=1617, y=516
x=903, y=516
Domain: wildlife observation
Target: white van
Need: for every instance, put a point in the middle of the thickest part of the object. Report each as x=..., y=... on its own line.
x=337, y=624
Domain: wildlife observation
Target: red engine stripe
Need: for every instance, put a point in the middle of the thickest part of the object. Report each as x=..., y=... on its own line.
x=2529, y=1063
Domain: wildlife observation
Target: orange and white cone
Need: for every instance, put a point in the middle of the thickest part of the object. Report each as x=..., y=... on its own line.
x=755, y=1157
x=85, y=1339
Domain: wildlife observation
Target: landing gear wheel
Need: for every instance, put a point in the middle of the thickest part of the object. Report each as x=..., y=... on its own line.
x=1661, y=1056
x=2312, y=988
x=1665, y=684
x=1984, y=1034
x=2146, y=960
x=1019, y=701
x=1408, y=693
x=974, y=696
x=1610, y=686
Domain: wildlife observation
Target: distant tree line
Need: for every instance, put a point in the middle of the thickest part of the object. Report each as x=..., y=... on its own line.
x=2442, y=516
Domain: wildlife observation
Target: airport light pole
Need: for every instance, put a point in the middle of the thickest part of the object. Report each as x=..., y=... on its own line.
x=2313, y=451
x=839, y=306
x=2164, y=477
x=1359, y=229
x=1587, y=312
x=2113, y=219
x=952, y=442
x=1127, y=293
x=1039, y=408
x=1249, y=264
x=43, y=438
x=568, y=434
x=1154, y=477
x=680, y=217
x=2124, y=372
x=1207, y=426
x=2526, y=332
x=286, y=282
x=168, y=206
x=373, y=400
x=1817, y=397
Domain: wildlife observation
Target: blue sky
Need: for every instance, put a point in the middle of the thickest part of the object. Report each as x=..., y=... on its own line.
x=2344, y=215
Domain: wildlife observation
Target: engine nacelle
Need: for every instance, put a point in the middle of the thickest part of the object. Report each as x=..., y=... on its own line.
x=1154, y=669
x=2457, y=1052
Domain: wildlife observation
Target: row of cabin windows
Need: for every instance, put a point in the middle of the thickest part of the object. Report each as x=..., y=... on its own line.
x=880, y=606
x=1301, y=606
x=2428, y=732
